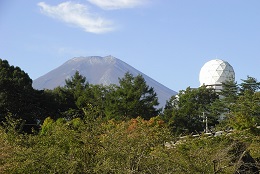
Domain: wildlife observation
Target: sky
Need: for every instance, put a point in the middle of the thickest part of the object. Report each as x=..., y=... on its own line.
x=168, y=40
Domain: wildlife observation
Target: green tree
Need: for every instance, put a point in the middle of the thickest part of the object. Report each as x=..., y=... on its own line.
x=17, y=95
x=246, y=112
x=244, y=108
x=227, y=99
x=132, y=98
x=229, y=92
x=79, y=95
x=72, y=97
x=250, y=84
x=190, y=106
x=76, y=85
x=97, y=97
x=172, y=103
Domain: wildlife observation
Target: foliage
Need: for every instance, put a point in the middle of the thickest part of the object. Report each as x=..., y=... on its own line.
x=229, y=91
x=228, y=96
x=132, y=98
x=128, y=145
x=170, y=105
x=16, y=90
x=87, y=146
x=250, y=84
x=96, y=98
x=134, y=146
x=187, y=110
x=246, y=112
x=61, y=147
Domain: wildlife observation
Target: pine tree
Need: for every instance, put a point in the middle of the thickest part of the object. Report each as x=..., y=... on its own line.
x=132, y=98
x=250, y=84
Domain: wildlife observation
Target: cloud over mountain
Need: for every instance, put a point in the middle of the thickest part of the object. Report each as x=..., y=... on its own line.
x=117, y=4
x=78, y=15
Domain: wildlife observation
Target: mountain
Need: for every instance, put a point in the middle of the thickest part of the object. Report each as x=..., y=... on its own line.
x=98, y=70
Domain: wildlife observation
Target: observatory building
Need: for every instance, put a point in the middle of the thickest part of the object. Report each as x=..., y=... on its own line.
x=215, y=72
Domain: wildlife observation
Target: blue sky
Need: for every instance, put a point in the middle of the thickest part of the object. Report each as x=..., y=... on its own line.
x=168, y=40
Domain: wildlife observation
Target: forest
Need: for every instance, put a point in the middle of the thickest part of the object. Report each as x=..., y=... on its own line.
x=87, y=128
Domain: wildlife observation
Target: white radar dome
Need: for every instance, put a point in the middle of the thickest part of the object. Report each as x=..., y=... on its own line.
x=215, y=72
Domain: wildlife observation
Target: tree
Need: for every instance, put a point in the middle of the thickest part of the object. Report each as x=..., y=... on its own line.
x=76, y=85
x=250, y=84
x=76, y=81
x=98, y=98
x=169, y=107
x=246, y=111
x=72, y=97
x=243, y=108
x=132, y=98
x=191, y=105
x=17, y=95
x=227, y=98
x=229, y=91
x=89, y=97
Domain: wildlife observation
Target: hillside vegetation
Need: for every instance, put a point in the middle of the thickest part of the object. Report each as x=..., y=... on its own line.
x=85, y=128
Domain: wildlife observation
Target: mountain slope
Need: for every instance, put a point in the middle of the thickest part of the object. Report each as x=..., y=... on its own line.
x=98, y=70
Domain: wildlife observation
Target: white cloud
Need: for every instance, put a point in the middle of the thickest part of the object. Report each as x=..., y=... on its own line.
x=117, y=4
x=77, y=15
